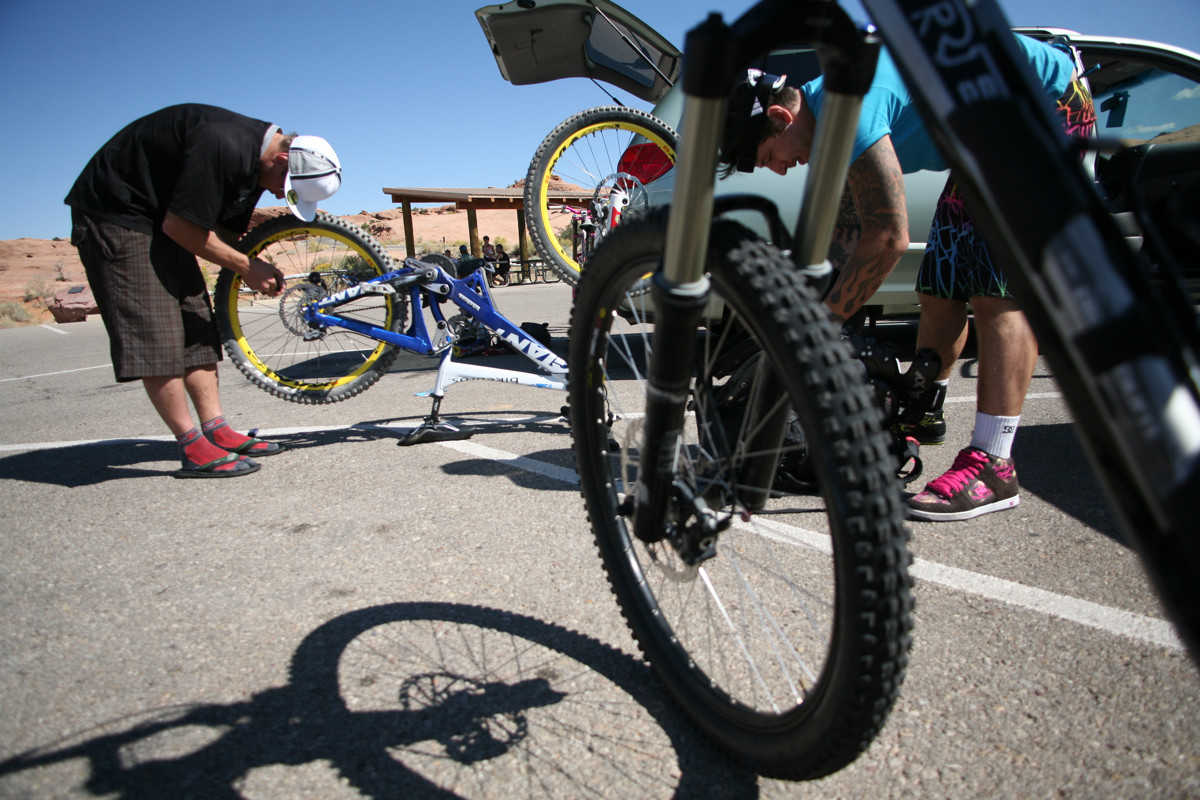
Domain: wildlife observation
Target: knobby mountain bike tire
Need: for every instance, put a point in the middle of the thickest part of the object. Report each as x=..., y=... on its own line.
x=789, y=645
x=607, y=157
x=268, y=338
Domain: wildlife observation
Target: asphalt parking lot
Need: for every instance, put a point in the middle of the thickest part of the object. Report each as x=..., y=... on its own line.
x=362, y=620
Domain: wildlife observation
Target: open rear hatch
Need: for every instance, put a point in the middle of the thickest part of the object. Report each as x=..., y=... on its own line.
x=535, y=41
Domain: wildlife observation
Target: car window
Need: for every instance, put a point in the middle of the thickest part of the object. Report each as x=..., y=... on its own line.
x=1137, y=101
x=619, y=48
x=546, y=40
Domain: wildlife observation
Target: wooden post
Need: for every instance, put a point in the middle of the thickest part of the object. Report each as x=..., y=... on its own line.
x=410, y=246
x=523, y=236
x=527, y=253
x=473, y=230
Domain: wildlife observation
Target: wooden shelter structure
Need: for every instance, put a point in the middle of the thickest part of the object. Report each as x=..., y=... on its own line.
x=472, y=200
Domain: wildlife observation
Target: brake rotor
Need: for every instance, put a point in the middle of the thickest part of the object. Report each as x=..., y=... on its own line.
x=292, y=303
x=615, y=195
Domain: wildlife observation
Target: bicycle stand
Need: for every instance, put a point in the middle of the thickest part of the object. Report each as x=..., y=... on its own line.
x=434, y=430
x=450, y=372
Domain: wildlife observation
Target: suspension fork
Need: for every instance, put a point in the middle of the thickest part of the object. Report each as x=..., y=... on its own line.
x=716, y=54
x=681, y=288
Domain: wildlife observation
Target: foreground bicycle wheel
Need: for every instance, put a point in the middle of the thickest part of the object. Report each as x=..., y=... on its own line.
x=787, y=646
x=268, y=338
x=611, y=154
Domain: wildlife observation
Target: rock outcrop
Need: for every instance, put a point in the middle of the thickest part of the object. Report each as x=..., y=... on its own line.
x=73, y=304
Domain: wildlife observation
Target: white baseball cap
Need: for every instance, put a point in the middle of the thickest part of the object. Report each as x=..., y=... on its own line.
x=314, y=174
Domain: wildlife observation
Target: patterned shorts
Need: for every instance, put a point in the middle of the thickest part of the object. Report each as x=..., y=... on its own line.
x=152, y=298
x=957, y=264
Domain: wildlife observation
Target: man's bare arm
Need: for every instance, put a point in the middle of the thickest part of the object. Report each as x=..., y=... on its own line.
x=877, y=186
x=257, y=274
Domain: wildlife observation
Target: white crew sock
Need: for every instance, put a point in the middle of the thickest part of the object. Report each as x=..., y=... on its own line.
x=994, y=435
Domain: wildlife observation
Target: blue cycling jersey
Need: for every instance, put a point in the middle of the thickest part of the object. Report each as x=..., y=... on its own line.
x=888, y=108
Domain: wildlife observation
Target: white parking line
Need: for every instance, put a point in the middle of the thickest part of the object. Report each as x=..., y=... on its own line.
x=1032, y=396
x=1082, y=612
x=1099, y=617
x=1093, y=615
x=55, y=329
x=520, y=462
x=48, y=374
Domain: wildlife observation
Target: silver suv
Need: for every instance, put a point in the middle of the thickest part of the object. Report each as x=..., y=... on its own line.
x=1147, y=94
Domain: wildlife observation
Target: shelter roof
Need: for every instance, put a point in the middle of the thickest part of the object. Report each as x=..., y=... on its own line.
x=489, y=198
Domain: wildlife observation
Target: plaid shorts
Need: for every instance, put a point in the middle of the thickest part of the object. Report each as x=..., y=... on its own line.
x=957, y=263
x=152, y=298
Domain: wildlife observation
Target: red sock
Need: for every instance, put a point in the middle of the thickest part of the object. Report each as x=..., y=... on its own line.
x=219, y=433
x=218, y=430
x=199, y=451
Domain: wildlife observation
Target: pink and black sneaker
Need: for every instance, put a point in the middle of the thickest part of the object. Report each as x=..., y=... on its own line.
x=978, y=483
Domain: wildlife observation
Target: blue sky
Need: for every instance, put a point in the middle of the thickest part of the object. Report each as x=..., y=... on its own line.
x=407, y=91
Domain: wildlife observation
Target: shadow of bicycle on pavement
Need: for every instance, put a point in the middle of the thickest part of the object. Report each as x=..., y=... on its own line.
x=411, y=700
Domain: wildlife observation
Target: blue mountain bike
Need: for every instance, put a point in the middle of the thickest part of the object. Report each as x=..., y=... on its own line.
x=348, y=310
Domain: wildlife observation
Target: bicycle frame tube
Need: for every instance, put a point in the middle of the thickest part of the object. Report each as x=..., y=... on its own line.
x=451, y=372
x=472, y=295
x=323, y=312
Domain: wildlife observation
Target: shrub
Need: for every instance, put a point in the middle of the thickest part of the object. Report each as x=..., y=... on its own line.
x=13, y=314
x=356, y=267
x=36, y=289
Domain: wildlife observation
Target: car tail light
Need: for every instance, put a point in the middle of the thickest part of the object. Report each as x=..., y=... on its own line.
x=645, y=161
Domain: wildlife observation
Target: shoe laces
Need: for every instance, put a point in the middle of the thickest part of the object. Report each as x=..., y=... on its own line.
x=967, y=466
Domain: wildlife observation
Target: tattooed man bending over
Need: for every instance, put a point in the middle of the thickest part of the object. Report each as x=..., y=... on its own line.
x=772, y=125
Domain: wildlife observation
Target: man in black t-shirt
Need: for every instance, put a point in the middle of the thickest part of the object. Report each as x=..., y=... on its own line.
x=176, y=184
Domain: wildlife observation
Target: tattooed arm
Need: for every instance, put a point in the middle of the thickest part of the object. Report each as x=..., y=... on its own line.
x=847, y=230
x=867, y=253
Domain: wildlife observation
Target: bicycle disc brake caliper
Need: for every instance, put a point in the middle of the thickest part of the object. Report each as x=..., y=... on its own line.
x=695, y=536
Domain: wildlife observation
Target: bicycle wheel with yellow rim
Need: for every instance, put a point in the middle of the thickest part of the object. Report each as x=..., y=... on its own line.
x=268, y=339
x=596, y=169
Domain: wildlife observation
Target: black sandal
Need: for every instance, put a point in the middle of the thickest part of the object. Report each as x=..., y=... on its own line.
x=246, y=448
x=191, y=469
